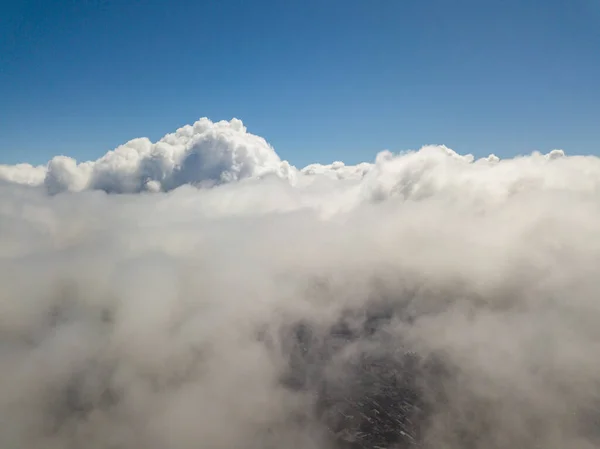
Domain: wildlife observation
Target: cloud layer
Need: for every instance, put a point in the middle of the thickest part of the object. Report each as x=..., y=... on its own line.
x=425, y=298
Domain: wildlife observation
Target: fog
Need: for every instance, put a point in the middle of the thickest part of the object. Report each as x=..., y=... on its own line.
x=201, y=292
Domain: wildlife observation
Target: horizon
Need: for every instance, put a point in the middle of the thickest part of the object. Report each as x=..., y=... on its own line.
x=322, y=162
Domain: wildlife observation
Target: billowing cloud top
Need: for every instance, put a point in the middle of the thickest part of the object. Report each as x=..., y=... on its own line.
x=204, y=153
x=227, y=299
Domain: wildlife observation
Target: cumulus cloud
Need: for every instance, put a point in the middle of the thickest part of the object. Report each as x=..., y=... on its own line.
x=425, y=298
x=26, y=174
x=204, y=153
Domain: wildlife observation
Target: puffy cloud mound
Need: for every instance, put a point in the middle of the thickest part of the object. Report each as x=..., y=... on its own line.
x=204, y=153
x=426, y=299
x=25, y=174
x=338, y=170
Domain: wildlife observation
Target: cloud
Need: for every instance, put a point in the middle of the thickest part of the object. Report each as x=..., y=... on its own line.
x=25, y=174
x=227, y=299
x=204, y=153
x=338, y=170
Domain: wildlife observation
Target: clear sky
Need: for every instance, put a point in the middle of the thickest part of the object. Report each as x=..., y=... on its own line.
x=320, y=80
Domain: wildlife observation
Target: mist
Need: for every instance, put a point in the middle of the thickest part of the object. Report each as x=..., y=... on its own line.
x=202, y=292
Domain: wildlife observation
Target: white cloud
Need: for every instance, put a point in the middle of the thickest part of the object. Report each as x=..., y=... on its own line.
x=204, y=153
x=180, y=316
x=339, y=170
x=25, y=174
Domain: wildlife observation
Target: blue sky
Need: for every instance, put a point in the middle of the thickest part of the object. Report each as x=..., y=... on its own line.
x=320, y=80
